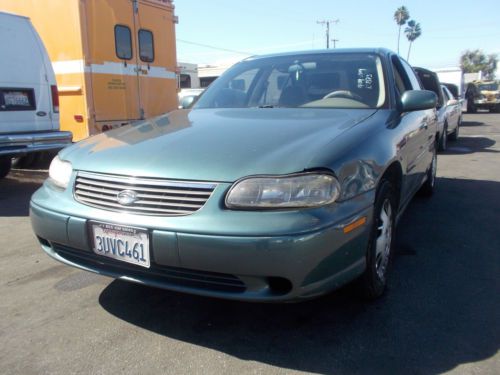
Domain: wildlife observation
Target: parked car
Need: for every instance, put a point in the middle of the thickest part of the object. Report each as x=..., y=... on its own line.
x=483, y=95
x=283, y=182
x=29, y=103
x=448, y=108
x=453, y=117
x=455, y=91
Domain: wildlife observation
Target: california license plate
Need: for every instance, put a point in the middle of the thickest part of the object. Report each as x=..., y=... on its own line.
x=119, y=242
x=16, y=98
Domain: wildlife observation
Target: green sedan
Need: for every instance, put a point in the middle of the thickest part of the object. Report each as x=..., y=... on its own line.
x=284, y=181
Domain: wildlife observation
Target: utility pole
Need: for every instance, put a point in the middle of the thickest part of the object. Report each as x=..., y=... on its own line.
x=335, y=42
x=327, y=23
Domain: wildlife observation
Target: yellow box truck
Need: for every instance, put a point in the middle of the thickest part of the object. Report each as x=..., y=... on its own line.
x=114, y=60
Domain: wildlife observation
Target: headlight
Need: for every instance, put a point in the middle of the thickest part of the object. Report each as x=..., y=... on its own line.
x=294, y=191
x=60, y=172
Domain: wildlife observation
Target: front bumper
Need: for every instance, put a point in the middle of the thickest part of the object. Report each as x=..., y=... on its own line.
x=15, y=144
x=487, y=103
x=259, y=264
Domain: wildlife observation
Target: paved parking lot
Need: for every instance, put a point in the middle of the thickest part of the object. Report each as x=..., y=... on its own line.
x=440, y=314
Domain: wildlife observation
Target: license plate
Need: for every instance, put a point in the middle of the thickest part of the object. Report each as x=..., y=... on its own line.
x=122, y=243
x=16, y=98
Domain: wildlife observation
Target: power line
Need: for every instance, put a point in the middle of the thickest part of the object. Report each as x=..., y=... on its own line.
x=327, y=23
x=214, y=47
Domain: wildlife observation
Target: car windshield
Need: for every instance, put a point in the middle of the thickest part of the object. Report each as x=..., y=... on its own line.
x=326, y=80
x=488, y=87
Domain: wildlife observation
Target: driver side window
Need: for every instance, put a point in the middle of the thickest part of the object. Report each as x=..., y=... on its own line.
x=400, y=77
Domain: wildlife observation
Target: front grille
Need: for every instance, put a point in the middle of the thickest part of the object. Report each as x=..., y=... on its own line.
x=213, y=281
x=151, y=196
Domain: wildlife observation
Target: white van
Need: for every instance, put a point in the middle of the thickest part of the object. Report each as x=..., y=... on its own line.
x=29, y=102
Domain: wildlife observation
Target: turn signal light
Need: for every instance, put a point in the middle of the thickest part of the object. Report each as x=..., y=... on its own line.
x=354, y=225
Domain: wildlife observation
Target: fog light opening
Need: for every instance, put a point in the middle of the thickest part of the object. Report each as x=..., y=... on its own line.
x=43, y=241
x=279, y=285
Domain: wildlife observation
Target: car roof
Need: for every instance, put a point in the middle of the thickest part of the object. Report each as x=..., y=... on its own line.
x=378, y=51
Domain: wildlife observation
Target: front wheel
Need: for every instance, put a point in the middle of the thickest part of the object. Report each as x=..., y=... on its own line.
x=443, y=142
x=5, y=165
x=471, y=108
x=454, y=135
x=381, y=242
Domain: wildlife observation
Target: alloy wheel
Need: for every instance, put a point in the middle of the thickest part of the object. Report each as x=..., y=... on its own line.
x=384, y=239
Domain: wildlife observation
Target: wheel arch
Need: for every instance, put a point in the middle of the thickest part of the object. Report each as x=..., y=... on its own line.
x=394, y=174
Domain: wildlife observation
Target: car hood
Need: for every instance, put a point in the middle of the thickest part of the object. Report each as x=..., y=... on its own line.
x=216, y=144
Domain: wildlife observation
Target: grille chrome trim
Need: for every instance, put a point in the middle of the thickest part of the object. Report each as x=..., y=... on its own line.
x=155, y=196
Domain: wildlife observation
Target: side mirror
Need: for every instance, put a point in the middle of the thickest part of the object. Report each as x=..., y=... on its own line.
x=187, y=102
x=452, y=102
x=415, y=100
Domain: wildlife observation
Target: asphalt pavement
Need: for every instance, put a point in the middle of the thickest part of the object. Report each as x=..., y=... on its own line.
x=441, y=313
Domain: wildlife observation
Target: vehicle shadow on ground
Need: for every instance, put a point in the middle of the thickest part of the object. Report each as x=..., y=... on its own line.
x=469, y=145
x=472, y=123
x=441, y=309
x=16, y=190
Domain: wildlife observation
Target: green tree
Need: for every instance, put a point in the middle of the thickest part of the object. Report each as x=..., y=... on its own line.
x=401, y=15
x=473, y=61
x=412, y=31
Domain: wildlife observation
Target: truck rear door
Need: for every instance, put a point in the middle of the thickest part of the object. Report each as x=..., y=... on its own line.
x=155, y=35
x=25, y=92
x=113, y=61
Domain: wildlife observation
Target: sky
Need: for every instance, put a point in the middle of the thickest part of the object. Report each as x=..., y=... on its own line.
x=226, y=31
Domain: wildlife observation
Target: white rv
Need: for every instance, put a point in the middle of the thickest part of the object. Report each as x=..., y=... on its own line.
x=453, y=76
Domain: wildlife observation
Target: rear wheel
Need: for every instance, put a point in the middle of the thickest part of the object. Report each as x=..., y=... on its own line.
x=27, y=161
x=381, y=242
x=5, y=164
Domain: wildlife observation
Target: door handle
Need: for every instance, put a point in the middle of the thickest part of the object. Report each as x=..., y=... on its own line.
x=424, y=125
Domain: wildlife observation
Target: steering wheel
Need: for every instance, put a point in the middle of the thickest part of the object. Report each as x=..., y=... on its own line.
x=343, y=94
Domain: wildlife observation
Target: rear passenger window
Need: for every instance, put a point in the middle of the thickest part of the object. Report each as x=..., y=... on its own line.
x=445, y=95
x=123, y=42
x=146, y=46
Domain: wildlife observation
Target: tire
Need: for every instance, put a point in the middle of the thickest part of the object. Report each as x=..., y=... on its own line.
x=429, y=185
x=27, y=161
x=454, y=136
x=373, y=281
x=471, y=108
x=443, y=142
x=5, y=165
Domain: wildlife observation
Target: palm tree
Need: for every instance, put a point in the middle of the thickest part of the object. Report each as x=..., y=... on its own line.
x=412, y=31
x=401, y=15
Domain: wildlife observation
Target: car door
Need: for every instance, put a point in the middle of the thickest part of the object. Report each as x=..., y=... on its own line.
x=417, y=133
x=427, y=125
x=452, y=107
